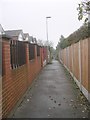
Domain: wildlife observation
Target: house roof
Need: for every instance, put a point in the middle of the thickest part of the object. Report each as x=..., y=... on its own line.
x=1, y=29
x=26, y=34
x=13, y=33
x=34, y=39
x=31, y=39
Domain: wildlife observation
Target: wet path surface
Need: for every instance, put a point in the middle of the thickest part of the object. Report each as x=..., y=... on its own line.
x=53, y=95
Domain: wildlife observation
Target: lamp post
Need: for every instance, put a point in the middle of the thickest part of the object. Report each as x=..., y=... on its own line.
x=49, y=52
x=47, y=26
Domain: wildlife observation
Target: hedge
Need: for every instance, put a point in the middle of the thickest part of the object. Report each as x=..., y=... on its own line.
x=80, y=34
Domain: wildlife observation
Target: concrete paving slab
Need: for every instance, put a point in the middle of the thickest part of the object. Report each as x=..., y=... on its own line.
x=53, y=95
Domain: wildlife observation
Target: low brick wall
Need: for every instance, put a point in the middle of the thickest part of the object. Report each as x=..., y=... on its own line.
x=15, y=82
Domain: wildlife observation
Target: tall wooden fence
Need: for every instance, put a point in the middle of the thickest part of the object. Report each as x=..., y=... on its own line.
x=76, y=59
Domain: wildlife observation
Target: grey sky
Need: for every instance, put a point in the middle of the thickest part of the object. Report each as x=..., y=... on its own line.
x=30, y=15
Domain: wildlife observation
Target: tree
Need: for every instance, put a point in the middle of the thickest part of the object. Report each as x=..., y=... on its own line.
x=40, y=42
x=61, y=38
x=48, y=43
x=84, y=10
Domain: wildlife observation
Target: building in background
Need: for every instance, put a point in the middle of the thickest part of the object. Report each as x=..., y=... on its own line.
x=16, y=34
x=1, y=30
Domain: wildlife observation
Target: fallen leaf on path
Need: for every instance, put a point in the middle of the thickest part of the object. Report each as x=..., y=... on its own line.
x=59, y=104
x=71, y=100
x=51, y=99
x=77, y=87
x=28, y=100
x=85, y=108
x=83, y=117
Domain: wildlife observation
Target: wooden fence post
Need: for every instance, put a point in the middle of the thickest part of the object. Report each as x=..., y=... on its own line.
x=69, y=58
x=72, y=61
x=80, y=66
x=89, y=68
x=66, y=58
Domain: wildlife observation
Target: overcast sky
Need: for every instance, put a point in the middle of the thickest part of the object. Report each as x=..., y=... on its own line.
x=30, y=16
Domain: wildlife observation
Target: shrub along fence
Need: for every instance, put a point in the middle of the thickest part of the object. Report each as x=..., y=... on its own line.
x=76, y=59
x=22, y=62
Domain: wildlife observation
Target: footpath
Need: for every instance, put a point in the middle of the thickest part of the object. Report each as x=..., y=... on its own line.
x=53, y=94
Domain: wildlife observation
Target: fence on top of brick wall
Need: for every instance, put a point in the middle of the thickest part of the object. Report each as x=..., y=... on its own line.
x=76, y=59
x=22, y=62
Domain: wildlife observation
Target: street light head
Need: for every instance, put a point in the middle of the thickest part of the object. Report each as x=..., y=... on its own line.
x=48, y=17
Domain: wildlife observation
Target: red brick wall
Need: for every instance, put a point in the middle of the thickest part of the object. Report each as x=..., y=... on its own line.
x=0, y=78
x=0, y=97
x=16, y=81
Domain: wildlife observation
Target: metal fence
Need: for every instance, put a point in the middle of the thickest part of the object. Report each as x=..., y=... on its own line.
x=38, y=50
x=18, y=54
x=31, y=51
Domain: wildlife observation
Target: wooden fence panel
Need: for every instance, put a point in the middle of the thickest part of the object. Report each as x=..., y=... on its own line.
x=68, y=57
x=89, y=66
x=71, y=58
x=76, y=61
x=65, y=56
x=84, y=63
